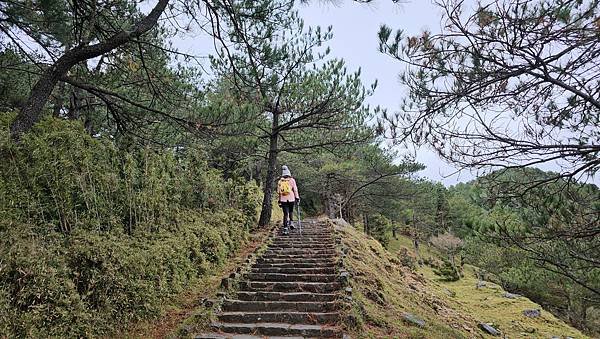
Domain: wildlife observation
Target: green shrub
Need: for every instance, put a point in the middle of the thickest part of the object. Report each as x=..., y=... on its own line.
x=447, y=272
x=380, y=228
x=92, y=237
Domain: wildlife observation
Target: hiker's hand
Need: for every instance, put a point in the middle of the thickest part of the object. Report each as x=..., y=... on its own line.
x=279, y=203
x=297, y=200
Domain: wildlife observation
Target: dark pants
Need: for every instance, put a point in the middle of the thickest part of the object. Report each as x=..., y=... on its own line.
x=288, y=212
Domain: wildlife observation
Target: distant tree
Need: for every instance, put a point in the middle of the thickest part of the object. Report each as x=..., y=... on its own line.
x=512, y=84
x=447, y=243
x=355, y=180
x=441, y=208
x=380, y=228
x=450, y=245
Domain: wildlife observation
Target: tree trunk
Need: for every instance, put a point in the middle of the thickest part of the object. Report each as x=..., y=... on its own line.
x=416, y=245
x=265, y=213
x=452, y=262
x=32, y=110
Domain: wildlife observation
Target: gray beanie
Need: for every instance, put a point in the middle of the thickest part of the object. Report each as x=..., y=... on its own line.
x=285, y=171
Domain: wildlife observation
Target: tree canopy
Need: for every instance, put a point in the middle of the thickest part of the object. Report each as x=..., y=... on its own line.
x=511, y=84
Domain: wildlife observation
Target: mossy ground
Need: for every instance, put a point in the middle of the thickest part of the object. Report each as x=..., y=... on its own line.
x=385, y=288
x=488, y=304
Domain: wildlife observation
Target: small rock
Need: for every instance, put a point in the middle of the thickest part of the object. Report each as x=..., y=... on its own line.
x=348, y=290
x=532, y=313
x=225, y=283
x=344, y=277
x=412, y=319
x=480, y=284
x=489, y=329
x=376, y=296
x=450, y=292
x=221, y=295
x=348, y=298
x=208, y=303
x=510, y=295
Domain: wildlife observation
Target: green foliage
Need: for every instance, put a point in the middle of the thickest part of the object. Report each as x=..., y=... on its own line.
x=447, y=271
x=380, y=228
x=358, y=179
x=537, y=242
x=93, y=237
x=454, y=75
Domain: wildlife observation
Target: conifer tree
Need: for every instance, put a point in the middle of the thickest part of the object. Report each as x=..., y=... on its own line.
x=308, y=100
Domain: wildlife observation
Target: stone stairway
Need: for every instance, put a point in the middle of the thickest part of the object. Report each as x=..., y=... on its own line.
x=292, y=290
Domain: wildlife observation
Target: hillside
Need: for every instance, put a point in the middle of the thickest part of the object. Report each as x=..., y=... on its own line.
x=386, y=291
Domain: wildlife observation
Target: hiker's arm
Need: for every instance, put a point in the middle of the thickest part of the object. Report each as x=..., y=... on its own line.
x=295, y=189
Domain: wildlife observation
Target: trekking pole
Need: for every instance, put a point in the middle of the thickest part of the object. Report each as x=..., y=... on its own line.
x=299, y=220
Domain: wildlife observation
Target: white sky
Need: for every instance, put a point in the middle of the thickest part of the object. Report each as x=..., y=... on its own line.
x=355, y=40
x=355, y=28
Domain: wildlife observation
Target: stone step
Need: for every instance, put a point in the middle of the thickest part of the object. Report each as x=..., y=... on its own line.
x=241, y=336
x=280, y=329
x=300, y=250
x=294, y=270
x=303, y=240
x=287, y=264
x=326, y=260
x=291, y=291
x=296, y=250
x=282, y=296
x=291, y=277
x=306, y=233
x=290, y=286
x=312, y=318
x=272, y=255
x=277, y=306
x=304, y=236
x=301, y=245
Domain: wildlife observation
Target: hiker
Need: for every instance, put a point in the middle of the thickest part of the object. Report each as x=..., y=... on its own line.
x=288, y=196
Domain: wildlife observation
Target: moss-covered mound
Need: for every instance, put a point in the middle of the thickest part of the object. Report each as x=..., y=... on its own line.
x=391, y=296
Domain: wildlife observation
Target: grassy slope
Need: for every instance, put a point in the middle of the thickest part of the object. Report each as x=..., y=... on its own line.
x=186, y=314
x=384, y=288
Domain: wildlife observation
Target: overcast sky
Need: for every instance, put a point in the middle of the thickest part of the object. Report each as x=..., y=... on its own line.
x=355, y=28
